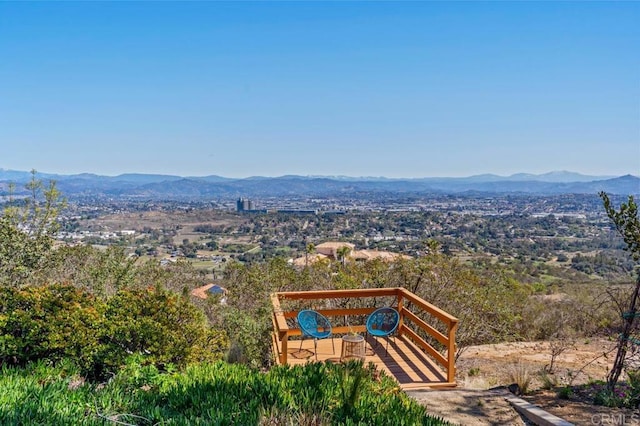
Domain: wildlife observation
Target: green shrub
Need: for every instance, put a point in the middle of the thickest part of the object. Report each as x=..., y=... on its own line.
x=249, y=337
x=474, y=371
x=59, y=321
x=48, y=322
x=606, y=398
x=565, y=392
x=634, y=386
x=160, y=325
x=624, y=395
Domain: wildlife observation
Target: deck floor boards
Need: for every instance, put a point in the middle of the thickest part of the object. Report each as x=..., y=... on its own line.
x=407, y=363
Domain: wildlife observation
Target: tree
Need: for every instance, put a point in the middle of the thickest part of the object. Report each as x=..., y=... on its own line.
x=27, y=228
x=100, y=272
x=627, y=224
x=309, y=249
x=342, y=254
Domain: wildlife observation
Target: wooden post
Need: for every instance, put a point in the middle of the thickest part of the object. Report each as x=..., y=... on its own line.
x=400, y=310
x=451, y=352
x=280, y=324
x=285, y=349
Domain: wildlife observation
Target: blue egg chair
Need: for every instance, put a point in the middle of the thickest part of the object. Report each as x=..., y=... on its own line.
x=315, y=325
x=382, y=323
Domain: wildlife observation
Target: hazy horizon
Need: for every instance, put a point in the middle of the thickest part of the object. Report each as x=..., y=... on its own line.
x=552, y=172
x=357, y=89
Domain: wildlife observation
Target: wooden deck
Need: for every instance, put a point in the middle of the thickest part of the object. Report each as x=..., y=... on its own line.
x=405, y=362
x=415, y=362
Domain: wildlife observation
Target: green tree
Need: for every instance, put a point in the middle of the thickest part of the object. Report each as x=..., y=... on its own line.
x=27, y=228
x=343, y=253
x=310, y=248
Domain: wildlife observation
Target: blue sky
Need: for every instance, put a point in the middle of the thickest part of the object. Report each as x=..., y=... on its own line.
x=396, y=89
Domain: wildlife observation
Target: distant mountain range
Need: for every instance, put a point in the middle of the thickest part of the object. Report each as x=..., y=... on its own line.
x=155, y=186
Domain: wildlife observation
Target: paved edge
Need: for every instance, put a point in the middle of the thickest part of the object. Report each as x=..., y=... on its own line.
x=536, y=414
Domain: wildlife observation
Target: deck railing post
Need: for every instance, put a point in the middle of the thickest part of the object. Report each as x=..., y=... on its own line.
x=285, y=349
x=400, y=310
x=451, y=352
x=280, y=325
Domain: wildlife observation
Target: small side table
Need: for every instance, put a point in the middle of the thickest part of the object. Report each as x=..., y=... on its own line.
x=353, y=347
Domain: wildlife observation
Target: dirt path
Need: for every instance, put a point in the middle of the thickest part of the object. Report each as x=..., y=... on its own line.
x=470, y=407
x=482, y=368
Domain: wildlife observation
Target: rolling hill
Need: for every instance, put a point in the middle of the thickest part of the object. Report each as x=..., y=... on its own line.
x=159, y=186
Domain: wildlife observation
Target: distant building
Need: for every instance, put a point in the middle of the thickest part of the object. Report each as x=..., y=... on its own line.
x=210, y=289
x=309, y=259
x=329, y=250
x=244, y=205
x=216, y=289
x=364, y=255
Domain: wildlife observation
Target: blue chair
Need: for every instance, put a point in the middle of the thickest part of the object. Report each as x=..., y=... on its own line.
x=314, y=324
x=382, y=323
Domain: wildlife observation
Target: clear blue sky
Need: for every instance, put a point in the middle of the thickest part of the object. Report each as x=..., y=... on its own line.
x=398, y=89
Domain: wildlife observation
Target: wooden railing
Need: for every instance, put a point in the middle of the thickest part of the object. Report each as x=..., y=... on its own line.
x=408, y=305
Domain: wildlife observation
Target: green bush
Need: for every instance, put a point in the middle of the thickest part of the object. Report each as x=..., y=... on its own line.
x=162, y=326
x=624, y=395
x=248, y=335
x=48, y=322
x=565, y=392
x=59, y=321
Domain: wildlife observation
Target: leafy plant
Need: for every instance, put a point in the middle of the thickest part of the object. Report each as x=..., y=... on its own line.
x=163, y=326
x=565, y=392
x=207, y=393
x=60, y=321
x=48, y=322
x=474, y=371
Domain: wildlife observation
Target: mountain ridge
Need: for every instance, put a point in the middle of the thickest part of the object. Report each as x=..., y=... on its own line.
x=552, y=176
x=164, y=186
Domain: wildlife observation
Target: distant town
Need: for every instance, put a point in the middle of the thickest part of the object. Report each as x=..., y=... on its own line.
x=568, y=232
x=546, y=229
